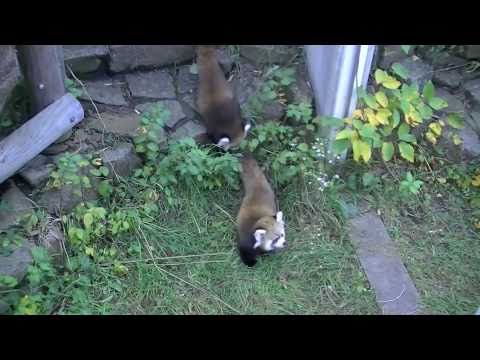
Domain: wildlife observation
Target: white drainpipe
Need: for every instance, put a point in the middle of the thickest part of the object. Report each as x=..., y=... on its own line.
x=336, y=71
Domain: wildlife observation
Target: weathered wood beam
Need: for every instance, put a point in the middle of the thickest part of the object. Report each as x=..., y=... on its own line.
x=37, y=134
x=44, y=72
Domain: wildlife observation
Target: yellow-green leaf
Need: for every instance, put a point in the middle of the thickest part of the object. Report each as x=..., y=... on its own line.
x=88, y=220
x=370, y=101
x=476, y=181
x=383, y=115
x=437, y=103
x=455, y=121
x=436, y=128
x=361, y=149
x=381, y=98
x=372, y=119
x=387, y=151
x=391, y=83
x=431, y=137
x=90, y=251
x=357, y=124
x=365, y=151
x=344, y=134
x=357, y=114
x=380, y=76
x=457, y=140
x=407, y=151
x=356, y=149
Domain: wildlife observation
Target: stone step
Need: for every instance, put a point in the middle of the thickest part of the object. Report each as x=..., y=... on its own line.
x=394, y=289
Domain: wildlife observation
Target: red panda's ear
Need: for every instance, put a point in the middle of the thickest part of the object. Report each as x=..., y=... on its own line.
x=279, y=216
x=259, y=236
x=223, y=142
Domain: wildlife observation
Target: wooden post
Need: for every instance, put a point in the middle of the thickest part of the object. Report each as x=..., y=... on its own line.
x=44, y=73
x=37, y=134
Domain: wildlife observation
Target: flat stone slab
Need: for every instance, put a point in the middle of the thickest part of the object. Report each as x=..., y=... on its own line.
x=472, y=89
x=129, y=57
x=451, y=79
x=124, y=124
x=190, y=129
x=153, y=84
x=37, y=171
x=14, y=205
x=82, y=51
x=395, y=292
x=105, y=92
x=455, y=104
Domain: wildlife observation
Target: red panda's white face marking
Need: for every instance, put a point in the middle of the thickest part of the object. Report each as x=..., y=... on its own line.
x=224, y=143
x=273, y=239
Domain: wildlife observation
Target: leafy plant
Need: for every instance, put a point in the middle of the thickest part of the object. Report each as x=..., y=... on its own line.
x=188, y=164
x=386, y=117
x=410, y=185
x=10, y=239
x=152, y=122
x=302, y=112
x=68, y=172
x=289, y=151
x=73, y=88
x=78, y=171
x=276, y=80
x=90, y=225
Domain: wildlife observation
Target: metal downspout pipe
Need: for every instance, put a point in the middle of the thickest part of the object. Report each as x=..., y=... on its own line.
x=336, y=71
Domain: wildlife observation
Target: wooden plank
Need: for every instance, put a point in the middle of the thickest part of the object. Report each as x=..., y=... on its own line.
x=43, y=69
x=37, y=134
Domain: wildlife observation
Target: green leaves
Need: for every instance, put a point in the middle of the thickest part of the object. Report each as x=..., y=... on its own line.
x=428, y=91
x=403, y=133
x=339, y=146
x=391, y=83
x=370, y=101
x=88, y=220
x=361, y=149
x=400, y=70
x=436, y=128
x=344, y=134
x=407, y=151
x=455, y=121
x=410, y=185
x=387, y=151
x=437, y=103
x=105, y=189
x=380, y=76
x=330, y=121
x=381, y=99
x=8, y=281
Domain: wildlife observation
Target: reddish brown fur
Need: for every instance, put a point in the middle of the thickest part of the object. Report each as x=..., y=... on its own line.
x=216, y=101
x=257, y=210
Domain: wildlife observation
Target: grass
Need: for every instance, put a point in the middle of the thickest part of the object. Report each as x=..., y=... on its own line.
x=435, y=238
x=197, y=270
